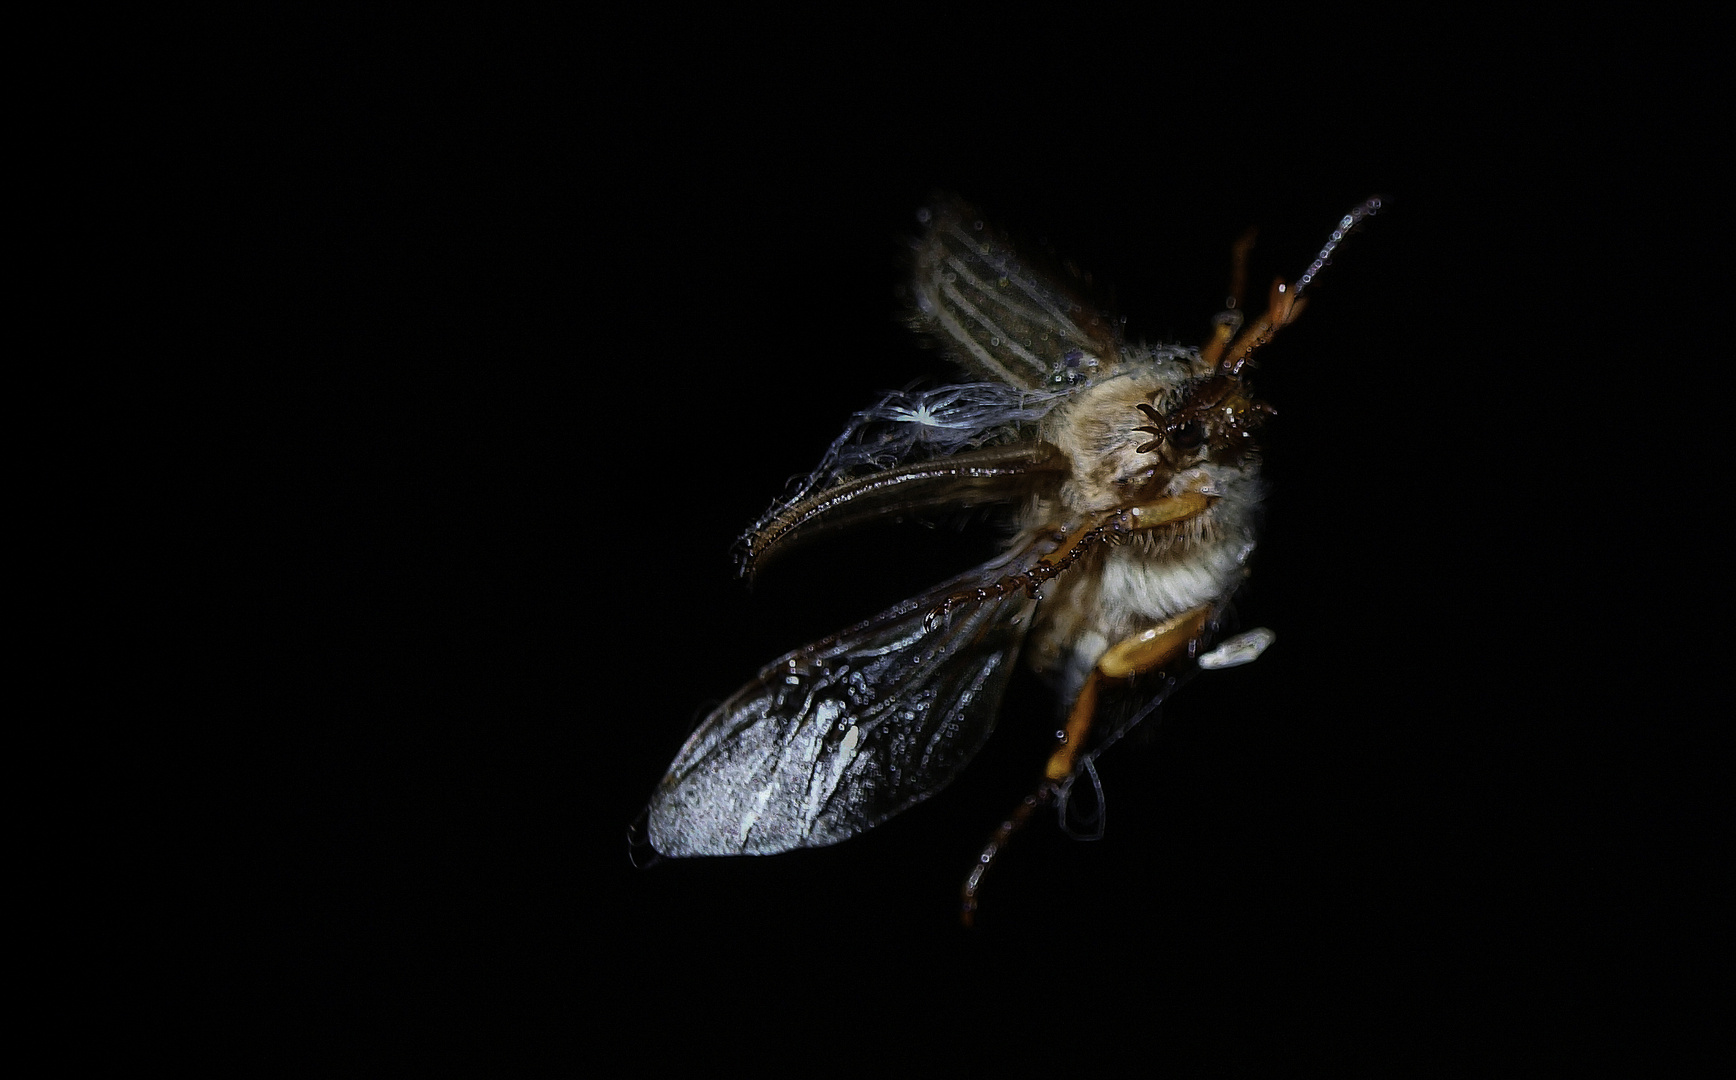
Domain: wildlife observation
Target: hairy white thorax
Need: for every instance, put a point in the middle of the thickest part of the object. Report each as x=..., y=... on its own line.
x=1152, y=576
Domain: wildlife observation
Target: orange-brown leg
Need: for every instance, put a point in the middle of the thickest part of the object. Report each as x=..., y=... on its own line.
x=1225, y=326
x=1070, y=546
x=1149, y=650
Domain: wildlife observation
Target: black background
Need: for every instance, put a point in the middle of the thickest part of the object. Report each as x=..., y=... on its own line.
x=502, y=334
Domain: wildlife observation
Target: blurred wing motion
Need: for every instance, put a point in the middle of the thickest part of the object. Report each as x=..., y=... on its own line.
x=1001, y=317
x=1025, y=335
x=838, y=736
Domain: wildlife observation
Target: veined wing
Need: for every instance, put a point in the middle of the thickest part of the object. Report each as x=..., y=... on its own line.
x=838, y=736
x=1001, y=317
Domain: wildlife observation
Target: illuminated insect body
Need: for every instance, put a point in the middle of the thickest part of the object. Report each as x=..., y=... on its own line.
x=1137, y=481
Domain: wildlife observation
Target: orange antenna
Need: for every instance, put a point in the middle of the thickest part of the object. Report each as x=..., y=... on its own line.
x=1285, y=302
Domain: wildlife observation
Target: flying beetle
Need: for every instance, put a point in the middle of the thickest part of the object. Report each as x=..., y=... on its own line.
x=1135, y=479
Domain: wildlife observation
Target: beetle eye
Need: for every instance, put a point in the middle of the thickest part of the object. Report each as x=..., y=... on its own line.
x=1189, y=435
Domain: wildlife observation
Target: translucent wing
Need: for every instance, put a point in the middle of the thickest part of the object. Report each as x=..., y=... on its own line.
x=838, y=736
x=1000, y=316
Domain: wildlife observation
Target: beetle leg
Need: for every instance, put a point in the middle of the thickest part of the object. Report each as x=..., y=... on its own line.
x=1225, y=325
x=1148, y=650
x=1071, y=546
